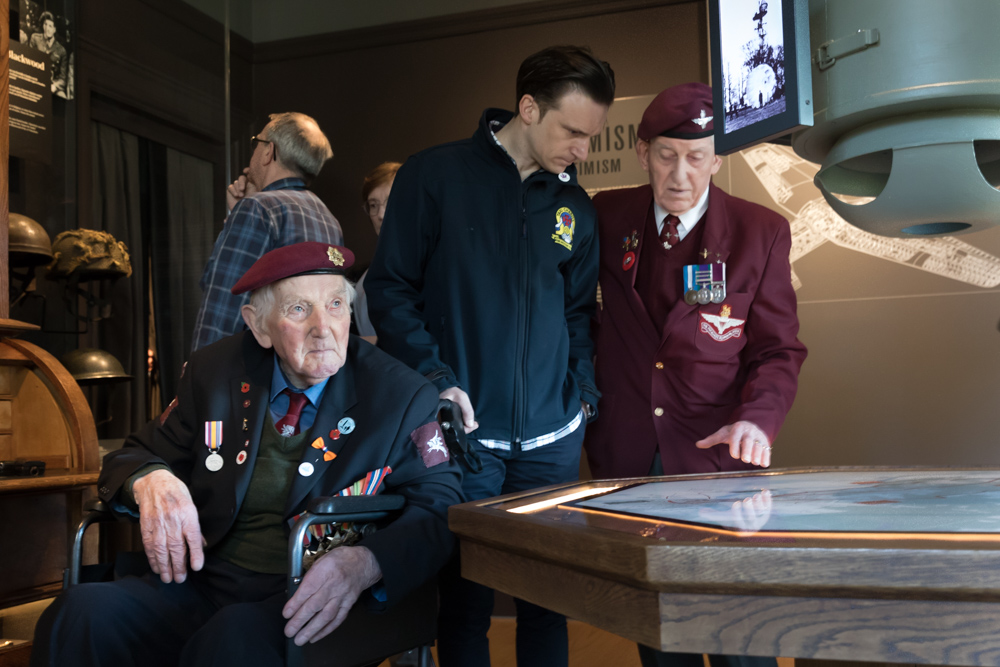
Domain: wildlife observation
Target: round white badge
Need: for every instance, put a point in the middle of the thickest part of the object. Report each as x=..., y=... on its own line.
x=213, y=462
x=345, y=425
x=306, y=469
x=240, y=458
x=564, y=177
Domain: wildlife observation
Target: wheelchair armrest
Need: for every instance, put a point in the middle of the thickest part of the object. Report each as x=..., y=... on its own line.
x=97, y=505
x=381, y=504
x=95, y=510
x=335, y=509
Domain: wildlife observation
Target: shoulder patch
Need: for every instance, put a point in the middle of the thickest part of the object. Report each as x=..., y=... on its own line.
x=430, y=443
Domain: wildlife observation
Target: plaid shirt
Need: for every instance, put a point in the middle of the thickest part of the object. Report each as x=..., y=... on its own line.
x=281, y=214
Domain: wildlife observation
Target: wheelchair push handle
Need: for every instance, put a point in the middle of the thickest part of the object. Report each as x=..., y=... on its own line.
x=450, y=418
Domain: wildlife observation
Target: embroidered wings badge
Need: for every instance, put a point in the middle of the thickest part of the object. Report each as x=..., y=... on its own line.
x=430, y=443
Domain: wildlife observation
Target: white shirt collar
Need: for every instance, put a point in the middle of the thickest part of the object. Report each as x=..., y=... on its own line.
x=688, y=219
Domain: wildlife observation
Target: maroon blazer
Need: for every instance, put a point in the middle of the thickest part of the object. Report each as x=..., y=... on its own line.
x=712, y=373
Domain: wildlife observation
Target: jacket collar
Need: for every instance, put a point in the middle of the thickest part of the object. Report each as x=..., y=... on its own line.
x=490, y=122
x=292, y=183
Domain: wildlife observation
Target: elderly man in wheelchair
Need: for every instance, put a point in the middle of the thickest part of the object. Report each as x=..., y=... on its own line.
x=264, y=422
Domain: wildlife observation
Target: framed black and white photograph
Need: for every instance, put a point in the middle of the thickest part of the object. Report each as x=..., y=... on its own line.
x=45, y=27
x=760, y=70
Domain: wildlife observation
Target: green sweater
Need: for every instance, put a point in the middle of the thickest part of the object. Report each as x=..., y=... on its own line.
x=258, y=540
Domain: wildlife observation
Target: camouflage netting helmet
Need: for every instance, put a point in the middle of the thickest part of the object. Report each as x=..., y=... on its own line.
x=93, y=366
x=29, y=243
x=88, y=254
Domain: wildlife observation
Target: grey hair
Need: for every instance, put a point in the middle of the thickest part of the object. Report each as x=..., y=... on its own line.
x=301, y=145
x=262, y=301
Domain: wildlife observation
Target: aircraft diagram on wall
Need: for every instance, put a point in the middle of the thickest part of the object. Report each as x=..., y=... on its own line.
x=788, y=180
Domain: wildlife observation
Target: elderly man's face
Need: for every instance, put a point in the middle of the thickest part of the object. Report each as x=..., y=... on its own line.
x=263, y=150
x=308, y=327
x=679, y=170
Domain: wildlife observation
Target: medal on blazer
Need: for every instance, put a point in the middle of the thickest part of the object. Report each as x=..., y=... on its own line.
x=704, y=283
x=629, y=244
x=213, y=440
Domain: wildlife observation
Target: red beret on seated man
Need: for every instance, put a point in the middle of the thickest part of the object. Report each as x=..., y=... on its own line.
x=264, y=421
x=697, y=358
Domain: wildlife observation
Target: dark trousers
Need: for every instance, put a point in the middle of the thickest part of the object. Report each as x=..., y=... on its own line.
x=650, y=657
x=466, y=607
x=222, y=616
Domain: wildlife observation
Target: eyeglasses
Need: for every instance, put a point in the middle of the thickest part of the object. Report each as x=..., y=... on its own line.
x=374, y=206
x=254, y=140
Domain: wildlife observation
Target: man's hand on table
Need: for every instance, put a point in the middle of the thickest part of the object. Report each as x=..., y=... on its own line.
x=168, y=521
x=328, y=591
x=746, y=440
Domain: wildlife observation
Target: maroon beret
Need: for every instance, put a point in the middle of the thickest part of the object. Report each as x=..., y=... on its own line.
x=680, y=112
x=295, y=260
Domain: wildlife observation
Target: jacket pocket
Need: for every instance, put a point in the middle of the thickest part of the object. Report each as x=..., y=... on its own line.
x=720, y=330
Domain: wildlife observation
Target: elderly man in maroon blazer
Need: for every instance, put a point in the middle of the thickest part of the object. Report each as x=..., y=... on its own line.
x=696, y=337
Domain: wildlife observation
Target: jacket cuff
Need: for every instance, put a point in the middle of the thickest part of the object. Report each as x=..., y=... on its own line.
x=442, y=378
x=590, y=396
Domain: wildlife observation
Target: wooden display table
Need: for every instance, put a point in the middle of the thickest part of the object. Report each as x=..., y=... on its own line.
x=893, y=565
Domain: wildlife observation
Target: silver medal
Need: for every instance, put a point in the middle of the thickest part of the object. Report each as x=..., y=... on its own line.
x=704, y=296
x=214, y=462
x=718, y=293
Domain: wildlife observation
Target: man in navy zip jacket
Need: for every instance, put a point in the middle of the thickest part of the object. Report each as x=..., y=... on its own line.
x=484, y=281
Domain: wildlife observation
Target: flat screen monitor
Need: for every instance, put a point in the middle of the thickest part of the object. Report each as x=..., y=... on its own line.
x=761, y=70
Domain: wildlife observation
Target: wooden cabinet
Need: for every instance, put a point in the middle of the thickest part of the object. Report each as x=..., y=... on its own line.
x=43, y=416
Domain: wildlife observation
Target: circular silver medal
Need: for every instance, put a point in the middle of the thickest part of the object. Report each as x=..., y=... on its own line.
x=306, y=469
x=704, y=296
x=213, y=462
x=691, y=297
x=718, y=293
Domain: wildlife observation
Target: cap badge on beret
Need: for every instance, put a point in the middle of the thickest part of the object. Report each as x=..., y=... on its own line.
x=702, y=120
x=335, y=256
x=298, y=259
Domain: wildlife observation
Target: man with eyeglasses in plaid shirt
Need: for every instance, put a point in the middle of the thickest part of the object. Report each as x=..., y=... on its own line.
x=269, y=207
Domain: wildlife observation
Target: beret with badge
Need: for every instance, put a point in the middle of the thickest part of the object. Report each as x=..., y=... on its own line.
x=679, y=112
x=300, y=259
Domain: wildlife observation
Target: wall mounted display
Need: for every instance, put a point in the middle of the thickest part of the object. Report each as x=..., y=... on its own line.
x=761, y=69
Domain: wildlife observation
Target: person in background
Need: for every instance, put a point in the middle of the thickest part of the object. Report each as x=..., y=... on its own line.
x=696, y=350
x=269, y=207
x=484, y=281
x=374, y=197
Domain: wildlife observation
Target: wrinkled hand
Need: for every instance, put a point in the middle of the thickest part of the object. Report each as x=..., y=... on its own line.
x=238, y=189
x=328, y=591
x=746, y=442
x=461, y=399
x=168, y=521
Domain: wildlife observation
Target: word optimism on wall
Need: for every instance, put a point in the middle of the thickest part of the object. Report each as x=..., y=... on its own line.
x=611, y=162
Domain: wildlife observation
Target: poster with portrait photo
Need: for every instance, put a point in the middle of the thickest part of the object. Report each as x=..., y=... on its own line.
x=45, y=27
x=753, y=61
